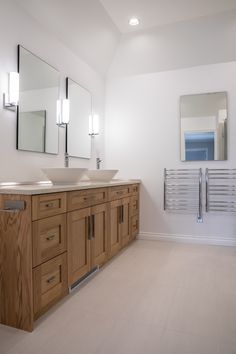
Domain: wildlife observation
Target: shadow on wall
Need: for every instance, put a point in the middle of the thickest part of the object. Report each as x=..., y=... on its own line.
x=153, y=216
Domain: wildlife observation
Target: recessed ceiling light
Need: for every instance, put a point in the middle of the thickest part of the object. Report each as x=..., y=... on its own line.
x=134, y=21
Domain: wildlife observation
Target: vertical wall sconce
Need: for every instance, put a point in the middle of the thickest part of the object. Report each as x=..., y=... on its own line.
x=11, y=98
x=94, y=125
x=63, y=112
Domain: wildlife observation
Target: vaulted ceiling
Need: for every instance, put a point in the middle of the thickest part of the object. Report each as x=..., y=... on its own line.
x=154, y=13
x=92, y=29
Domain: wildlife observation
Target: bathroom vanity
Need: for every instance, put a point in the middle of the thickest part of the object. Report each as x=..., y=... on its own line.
x=53, y=236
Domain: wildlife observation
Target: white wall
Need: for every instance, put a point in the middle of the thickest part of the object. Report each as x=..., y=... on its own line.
x=143, y=137
x=205, y=40
x=16, y=27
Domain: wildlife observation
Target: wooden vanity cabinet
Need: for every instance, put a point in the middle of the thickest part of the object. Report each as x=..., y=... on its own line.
x=120, y=218
x=87, y=232
x=16, y=285
x=56, y=240
x=135, y=211
x=49, y=251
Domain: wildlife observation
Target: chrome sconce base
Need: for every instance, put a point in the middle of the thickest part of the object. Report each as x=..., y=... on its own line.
x=7, y=104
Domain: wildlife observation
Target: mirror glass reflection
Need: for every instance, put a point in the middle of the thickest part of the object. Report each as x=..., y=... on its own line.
x=36, y=117
x=78, y=138
x=204, y=127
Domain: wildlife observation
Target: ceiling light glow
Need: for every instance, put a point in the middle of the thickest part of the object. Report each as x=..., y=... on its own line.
x=134, y=21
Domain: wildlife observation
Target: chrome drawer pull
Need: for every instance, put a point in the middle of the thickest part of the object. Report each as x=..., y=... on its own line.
x=13, y=206
x=51, y=279
x=50, y=238
x=10, y=210
x=49, y=205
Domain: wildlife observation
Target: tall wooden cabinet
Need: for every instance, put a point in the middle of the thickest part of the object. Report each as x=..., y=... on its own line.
x=87, y=240
x=55, y=240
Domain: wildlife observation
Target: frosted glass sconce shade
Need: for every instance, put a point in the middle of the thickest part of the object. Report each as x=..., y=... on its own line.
x=63, y=112
x=94, y=125
x=11, y=98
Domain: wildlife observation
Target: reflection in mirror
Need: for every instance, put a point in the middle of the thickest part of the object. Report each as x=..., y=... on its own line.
x=32, y=131
x=36, y=116
x=78, y=138
x=203, y=127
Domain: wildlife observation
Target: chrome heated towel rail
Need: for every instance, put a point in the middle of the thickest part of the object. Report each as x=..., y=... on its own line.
x=221, y=190
x=183, y=191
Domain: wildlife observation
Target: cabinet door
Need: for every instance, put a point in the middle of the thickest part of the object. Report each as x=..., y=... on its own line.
x=125, y=221
x=114, y=241
x=78, y=227
x=99, y=234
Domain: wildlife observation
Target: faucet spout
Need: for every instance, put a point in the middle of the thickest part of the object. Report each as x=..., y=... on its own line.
x=98, y=163
x=66, y=163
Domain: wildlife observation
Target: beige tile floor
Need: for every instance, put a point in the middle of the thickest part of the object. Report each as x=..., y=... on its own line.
x=154, y=298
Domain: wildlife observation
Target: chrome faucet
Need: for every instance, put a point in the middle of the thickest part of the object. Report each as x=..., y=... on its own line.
x=98, y=163
x=66, y=163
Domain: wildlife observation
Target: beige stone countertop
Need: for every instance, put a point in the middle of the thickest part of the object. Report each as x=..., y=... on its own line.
x=47, y=187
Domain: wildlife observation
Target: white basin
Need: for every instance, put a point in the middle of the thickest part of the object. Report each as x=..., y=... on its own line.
x=64, y=175
x=101, y=175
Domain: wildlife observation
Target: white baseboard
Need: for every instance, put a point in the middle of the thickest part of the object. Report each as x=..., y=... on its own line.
x=206, y=240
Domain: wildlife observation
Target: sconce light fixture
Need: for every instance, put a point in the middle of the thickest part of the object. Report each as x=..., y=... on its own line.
x=63, y=112
x=11, y=98
x=94, y=125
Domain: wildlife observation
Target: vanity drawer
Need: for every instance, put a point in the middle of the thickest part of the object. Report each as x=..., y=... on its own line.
x=50, y=283
x=49, y=238
x=48, y=205
x=86, y=198
x=135, y=189
x=134, y=205
x=119, y=192
x=135, y=226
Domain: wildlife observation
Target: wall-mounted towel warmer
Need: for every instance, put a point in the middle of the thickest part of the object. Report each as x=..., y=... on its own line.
x=183, y=191
x=221, y=190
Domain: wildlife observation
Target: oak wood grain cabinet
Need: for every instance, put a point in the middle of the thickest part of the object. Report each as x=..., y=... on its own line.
x=55, y=240
x=87, y=240
x=135, y=211
x=123, y=207
x=30, y=242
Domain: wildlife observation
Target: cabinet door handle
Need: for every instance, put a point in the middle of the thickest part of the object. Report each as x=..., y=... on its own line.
x=89, y=227
x=93, y=226
x=122, y=213
x=51, y=279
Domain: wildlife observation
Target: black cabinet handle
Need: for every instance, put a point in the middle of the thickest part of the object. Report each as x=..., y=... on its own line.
x=93, y=226
x=89, y=227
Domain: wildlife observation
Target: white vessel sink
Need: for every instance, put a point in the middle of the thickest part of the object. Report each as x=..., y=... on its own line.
x=64, y=175
x=101, y=175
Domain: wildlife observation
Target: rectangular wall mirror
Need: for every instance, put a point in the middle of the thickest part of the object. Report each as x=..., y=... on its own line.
x=78, y=138
x=36, y=115
x=203, y=121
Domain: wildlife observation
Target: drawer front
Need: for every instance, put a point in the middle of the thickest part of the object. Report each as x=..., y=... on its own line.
x=134, y=205
x=135, y=226
x=135, y=188
x=47, y=205
x=49, y=238
x=50, y=284
x=119, y=192
x=86, y=198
